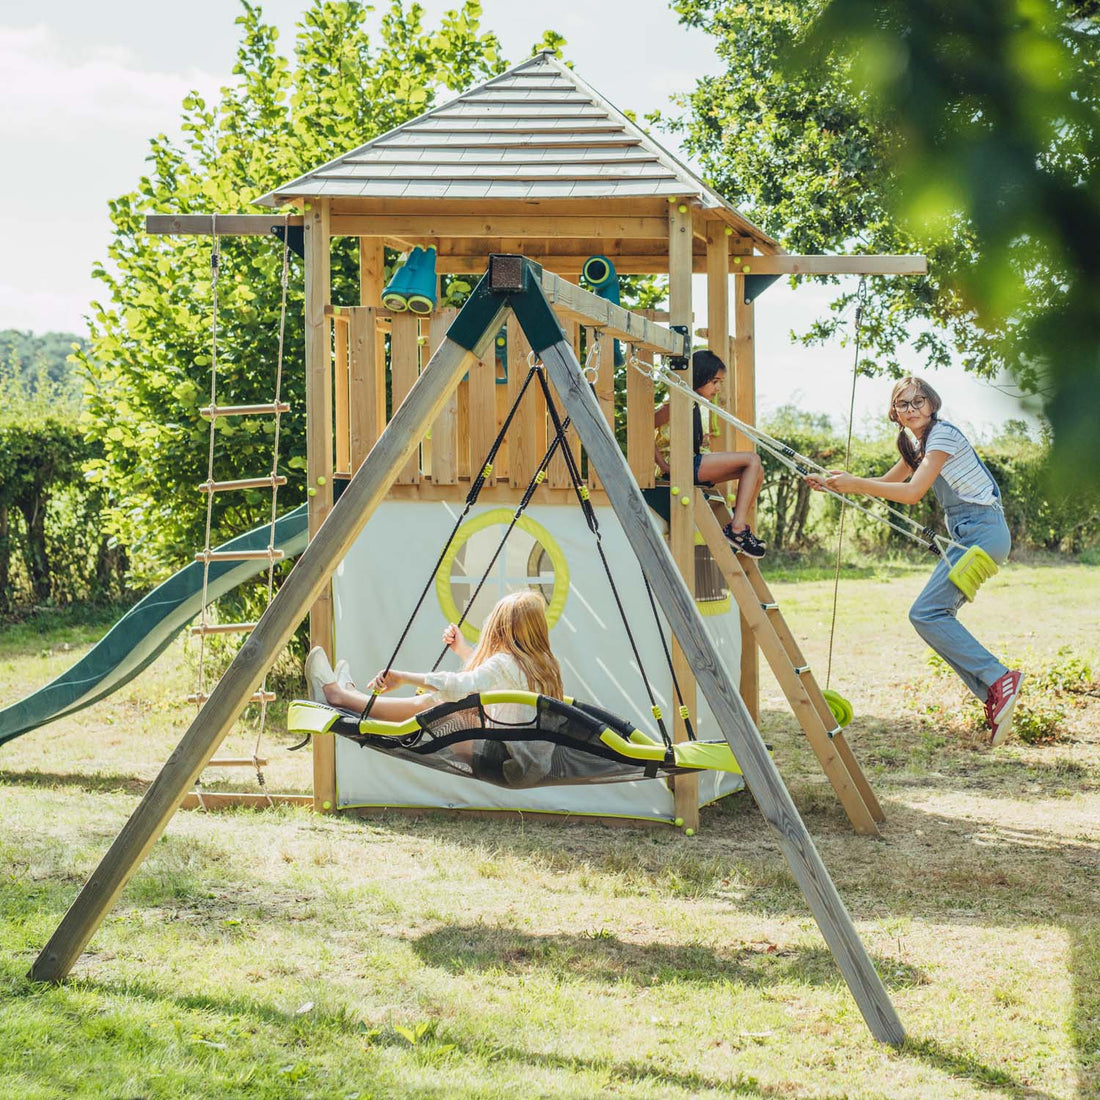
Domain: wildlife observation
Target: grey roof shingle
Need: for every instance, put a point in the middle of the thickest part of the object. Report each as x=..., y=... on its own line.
x=536, y=131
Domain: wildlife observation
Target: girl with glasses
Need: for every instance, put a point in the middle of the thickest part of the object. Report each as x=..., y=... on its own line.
x=936, y=455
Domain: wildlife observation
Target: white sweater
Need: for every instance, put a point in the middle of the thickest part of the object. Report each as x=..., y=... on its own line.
x=499, y=673
x=530, y=760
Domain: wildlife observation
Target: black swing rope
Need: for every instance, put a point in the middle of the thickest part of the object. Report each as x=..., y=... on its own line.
x=559, y=442
x=471, y=498
x=582, y=495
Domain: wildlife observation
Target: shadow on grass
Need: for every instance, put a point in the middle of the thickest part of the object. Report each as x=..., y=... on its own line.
x=960, y=1065
x=601, y=957
x=100, y=784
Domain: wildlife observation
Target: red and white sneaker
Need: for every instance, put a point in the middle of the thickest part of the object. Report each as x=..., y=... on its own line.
x=1000, y=703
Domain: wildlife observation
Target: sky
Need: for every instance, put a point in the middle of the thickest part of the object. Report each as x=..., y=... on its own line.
x=86, y=85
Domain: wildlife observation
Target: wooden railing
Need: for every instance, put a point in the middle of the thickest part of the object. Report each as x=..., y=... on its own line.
x=377, y=357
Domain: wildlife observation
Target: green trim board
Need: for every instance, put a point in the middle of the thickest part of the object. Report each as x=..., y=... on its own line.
x=147, y=629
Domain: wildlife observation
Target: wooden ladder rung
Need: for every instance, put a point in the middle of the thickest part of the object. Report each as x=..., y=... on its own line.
x=223, y=628
x=269, y=482
x=237, y=762
x=246, y=410
x=801, y=670
x=239, y=555
x=255, y=697
x=770, y=606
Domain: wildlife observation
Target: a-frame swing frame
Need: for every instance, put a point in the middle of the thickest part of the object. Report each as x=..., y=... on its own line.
x=514, y=284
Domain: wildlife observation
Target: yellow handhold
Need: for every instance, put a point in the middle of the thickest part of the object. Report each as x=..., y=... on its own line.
x=971, y=571
x=682, y=208
x=320, y=481
x=675, y=490
x=746, y=269
x=312, y=491
x=729, y=230
x=685, y=500
x=840, y=708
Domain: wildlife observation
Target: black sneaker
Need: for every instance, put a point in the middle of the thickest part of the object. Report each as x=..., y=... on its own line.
x=744, y=542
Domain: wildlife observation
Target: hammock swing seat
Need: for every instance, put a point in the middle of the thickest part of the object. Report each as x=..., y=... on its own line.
x=559, y=741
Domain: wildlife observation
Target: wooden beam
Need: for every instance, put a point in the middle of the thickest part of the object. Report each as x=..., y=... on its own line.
x=763, y=780
x=681, y=527
x=829, y=265
x=228, y=225
x=580, y=305
x=366, y=490
x=418, y=226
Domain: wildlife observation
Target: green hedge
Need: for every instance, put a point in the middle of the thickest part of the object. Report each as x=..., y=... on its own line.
x=52, y=548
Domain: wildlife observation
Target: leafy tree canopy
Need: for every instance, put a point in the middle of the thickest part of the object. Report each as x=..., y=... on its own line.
x=149, y=362
x=964, y=129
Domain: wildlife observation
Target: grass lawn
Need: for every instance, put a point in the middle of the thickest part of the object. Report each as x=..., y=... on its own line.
x=279, y=954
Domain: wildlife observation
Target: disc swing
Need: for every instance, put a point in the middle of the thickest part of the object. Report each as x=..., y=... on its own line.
x=591, y=745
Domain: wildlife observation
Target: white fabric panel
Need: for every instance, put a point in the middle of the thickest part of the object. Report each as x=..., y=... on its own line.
x=376, y=588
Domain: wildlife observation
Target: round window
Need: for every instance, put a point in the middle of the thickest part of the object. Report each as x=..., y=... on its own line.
x=529, y=559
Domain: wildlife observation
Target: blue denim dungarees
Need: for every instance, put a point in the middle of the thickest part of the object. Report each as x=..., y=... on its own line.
x=933, y=613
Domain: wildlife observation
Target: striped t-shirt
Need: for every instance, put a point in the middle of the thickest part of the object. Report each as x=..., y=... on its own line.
x=962, y=470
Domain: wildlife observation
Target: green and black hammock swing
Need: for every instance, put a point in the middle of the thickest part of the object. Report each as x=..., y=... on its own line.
x=559, y=741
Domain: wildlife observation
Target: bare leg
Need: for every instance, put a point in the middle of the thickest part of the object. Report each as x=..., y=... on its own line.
x=385, y=710
x=748, y=470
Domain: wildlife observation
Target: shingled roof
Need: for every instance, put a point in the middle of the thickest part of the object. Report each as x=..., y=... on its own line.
x=537, y=131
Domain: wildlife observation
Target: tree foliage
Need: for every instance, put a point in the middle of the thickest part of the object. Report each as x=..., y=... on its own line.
x=964, y=129
x=149, y=361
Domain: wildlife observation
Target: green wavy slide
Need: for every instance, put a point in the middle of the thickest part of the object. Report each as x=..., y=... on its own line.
x=146, y=630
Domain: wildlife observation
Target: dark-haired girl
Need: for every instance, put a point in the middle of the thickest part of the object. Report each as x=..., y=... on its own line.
x=936, y=455
x=707, y=374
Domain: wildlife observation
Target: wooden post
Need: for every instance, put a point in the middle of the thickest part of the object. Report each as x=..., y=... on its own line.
x=310, y=576
x=681, y=528
x=718, y=316
x=319, y=454
x=365, y=413
x=639, y=421
x=404, y=370
x=444, y=467
x=483, y=410
x=605, y=386
x=372, y=281
x=522, y=456
x=677, y=602
x=743, y=388
x=341, y=382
